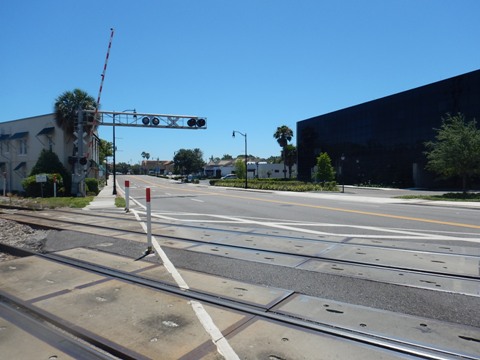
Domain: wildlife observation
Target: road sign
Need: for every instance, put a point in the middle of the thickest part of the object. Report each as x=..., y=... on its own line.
x=41, y=178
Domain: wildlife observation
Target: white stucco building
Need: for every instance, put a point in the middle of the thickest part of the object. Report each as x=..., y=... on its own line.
x=21, y=142
x=256, y=169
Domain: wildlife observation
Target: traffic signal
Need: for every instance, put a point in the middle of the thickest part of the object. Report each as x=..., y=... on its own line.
x=72, y=160
x=83, y=161
x=198, y=123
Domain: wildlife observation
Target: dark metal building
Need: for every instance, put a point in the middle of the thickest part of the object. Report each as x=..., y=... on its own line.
x=382, y=141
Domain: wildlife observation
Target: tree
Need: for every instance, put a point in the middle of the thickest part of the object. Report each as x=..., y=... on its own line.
x=290, y=157
x=49, y=163
x=283, y=135
x=105, y=150
x=240, y=170
x=274, y=160
x=122, y=167
x=227, y=157
x=456, y=149
x=66, y=107
x=188, y=161
x=324, y=170
x=145, y=155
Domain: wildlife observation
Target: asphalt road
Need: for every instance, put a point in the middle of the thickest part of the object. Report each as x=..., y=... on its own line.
x=357, y=207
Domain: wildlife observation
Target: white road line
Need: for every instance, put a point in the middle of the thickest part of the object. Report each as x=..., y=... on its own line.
x=197, y=200
x=407, y=235
x=164, y=217
x=403, y=234
x=223, y=347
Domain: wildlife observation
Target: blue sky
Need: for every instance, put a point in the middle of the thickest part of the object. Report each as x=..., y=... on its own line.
x=249, y=65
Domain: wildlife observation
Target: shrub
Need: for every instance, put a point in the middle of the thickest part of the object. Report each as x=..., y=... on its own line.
x=277, y=184
x=49, y=163
x=91, y=185
x=34, y=189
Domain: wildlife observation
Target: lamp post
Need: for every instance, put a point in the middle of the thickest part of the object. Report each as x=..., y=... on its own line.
x=343, y=174
x=246, y=169
x=114, y=192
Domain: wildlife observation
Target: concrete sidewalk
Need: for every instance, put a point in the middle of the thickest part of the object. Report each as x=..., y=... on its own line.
x=105, y=200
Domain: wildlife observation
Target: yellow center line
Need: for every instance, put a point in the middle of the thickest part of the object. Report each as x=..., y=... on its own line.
x=322, y=207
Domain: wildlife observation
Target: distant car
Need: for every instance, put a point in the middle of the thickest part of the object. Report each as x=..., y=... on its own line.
x=229, y=176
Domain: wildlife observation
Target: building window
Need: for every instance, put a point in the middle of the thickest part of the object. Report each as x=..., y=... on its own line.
x=22, y=147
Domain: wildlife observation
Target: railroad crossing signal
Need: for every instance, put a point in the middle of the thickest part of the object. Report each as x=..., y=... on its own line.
x=135, y=119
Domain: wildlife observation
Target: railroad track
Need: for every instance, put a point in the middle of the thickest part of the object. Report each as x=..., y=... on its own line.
x=56, y=222
x=18, y=310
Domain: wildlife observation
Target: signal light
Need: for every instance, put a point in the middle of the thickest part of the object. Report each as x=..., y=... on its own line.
x=146, y=120
x=196, y=122
x=90, y=118
x=72, y=160
x=155, y=121
x=83, y=161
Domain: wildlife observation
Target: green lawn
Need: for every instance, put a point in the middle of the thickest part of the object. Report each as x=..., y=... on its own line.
x=445, y=197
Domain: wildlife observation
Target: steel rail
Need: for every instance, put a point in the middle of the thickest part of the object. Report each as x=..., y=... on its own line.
x=272, y=251
x=223, y=230
x=35, y=325
x=277, y=252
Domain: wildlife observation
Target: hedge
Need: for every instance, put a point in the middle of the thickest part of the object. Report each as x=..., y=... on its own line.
x=276, y=184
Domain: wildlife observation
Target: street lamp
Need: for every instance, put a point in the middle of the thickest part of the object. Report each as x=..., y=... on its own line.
x=114, y=192
x=246, y=169
x=343, y=174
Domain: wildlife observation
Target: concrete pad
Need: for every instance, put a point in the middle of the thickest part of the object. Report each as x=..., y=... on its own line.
x=453, y=264
x=424, y=245
x=270, y=340
x=105, y=259
x=177, y=244
x=447, y=336
x=185, y=233
x=32, y=277
x=391, y=276
x=148, y=322
x=291, y=246
x=251, y=255
x=261, y=296
x=16, y=343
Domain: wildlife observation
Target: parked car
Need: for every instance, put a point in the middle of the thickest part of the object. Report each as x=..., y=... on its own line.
x=229, y=176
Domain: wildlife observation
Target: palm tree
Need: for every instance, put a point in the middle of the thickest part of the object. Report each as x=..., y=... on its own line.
x=283, y=135
x=145, y=155
x=66, y=107
x=290, y=156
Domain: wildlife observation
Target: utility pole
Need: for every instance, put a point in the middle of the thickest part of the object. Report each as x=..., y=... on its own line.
x=79, y=158
x=246, y=156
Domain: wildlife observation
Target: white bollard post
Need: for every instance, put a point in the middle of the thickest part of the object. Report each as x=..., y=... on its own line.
x=54, y=186
x=149, y=222
x=127, y=195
